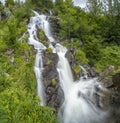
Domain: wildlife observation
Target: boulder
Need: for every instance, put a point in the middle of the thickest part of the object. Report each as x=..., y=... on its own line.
x=116, y=80
x=92, y=72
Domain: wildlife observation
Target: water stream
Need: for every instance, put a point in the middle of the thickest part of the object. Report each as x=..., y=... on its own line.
x=38, y=67
x=82, y=100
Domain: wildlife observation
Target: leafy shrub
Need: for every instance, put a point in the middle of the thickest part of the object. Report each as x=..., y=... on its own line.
x=110, y=55
x=19, y=106
x=76, y=69
x=80, y=56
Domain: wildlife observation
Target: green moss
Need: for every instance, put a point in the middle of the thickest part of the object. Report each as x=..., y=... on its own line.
x=46, y=43
x=117, y=70
x=49, y=62
x=49, y=51
x=41, y=34
x=53, y=81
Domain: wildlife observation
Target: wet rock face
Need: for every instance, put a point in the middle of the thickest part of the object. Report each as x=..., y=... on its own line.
x=70, y=56
x=56, y=26
x=116, y=80
x=115, y=97
x=115, y=106
x=54, y=93
x=105, y=77
x=92, y=72
x=112, y=83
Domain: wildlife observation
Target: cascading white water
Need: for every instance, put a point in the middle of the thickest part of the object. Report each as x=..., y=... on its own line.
x=44, y=25
x=82, y=103
x=85, y=73
x=39, y=21
x=82, y=100
x=64, y=70
x=38, y=67
x=38, y=72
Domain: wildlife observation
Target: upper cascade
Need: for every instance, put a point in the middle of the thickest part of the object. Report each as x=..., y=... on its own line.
x=35, y=23
x=42, y=22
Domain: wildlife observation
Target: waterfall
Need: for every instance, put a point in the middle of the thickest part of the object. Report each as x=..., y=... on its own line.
x=64, y=70
x=38, y=67
x=82, y=103
x=83, y=98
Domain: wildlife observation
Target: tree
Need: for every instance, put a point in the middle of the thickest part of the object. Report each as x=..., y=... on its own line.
x=9, y=2
x=112, y=14
x=95, y=7
x=42, y=4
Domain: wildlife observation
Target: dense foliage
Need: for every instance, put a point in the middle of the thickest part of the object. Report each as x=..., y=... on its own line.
x=18, y=100
x=94, y=34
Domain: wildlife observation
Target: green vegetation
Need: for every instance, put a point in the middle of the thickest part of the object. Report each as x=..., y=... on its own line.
x=94, y=35
x=110, y=55
x=49, y=62
x=96, y=31
x=76, y=69
x=18, y=100
x=49, y=51
x=41, y=35
x=54, y=81
x=81, y=57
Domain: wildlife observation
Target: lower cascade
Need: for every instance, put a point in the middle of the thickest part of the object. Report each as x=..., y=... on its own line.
x=83, y=104
x=83, y=99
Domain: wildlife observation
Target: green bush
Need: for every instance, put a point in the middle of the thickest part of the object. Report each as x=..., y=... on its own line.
x=17, y=105
x=76, y=69
x=41, y=35
x=80, y=56
x=92, y=46
x=49, y=51
x=110, y=55
x=54, y=81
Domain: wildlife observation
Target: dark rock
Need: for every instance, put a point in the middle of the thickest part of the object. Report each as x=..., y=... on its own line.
x=50, y=90
x=9, y=52
x=115, y=106
x=105, y=77
x=106, y=73
x=92, y=72
x=60, y=97
x=52, y=74
x=113, y=84
x=107, y=82
x=47, y=82
x=70, y=56
x=50, y=79
x=116, y=79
